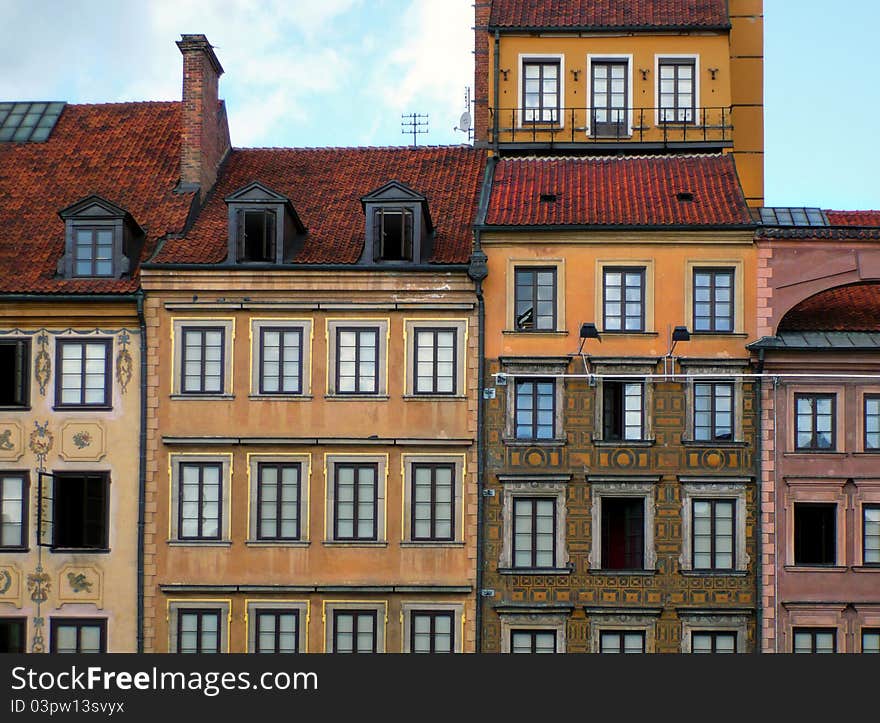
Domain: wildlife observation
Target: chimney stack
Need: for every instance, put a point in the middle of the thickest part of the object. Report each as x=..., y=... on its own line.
x=205, y=133
x=482, y=11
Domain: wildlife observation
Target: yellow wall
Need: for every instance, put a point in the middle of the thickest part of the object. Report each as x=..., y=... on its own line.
x=113, y=445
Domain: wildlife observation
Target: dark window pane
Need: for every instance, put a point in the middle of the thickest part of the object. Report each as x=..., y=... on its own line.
x=623, y=533
x=815, y=534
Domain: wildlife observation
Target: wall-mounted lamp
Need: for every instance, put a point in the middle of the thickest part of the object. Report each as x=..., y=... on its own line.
x=644, y=72
x=713, y=72
x=504, y=73
x=588, y=331
x=680, y=333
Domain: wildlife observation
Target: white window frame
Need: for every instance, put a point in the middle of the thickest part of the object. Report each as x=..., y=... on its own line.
x=619, y=621
x=698, y=488
x=525, y=486
x=702, y=623
x=522, y=58
x=612, y=57
x=511, y=622
x=658, y=58
x=603, y=487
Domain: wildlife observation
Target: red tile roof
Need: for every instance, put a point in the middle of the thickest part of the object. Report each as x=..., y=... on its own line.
x=325, y=186
x=619, y=191
x=609, y=14
x=843, y=226
x=128, y=153
x=854, y=218
x=845, y=308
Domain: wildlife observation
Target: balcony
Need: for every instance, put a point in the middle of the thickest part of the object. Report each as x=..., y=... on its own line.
x=603, y=129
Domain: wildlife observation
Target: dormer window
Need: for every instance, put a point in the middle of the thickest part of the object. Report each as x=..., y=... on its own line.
x=264, y=227
x=102, y=240
x=398, y=228
x=396, y=233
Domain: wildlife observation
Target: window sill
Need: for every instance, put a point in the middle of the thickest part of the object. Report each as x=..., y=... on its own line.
x=199, y=543
x=722, y=334
x=79, y=551
x=813, y=453
x=715, y=573
x=629, y=333
x=617, y=573
x=815, y=568
x=866, y=568
x=280, y=397
x=434, y=397
x=513, y=442
x=356, y=397
x=15, y=409
x=540, y=332
x=203, y=397
x=450, y=543
x=14, y=550
x=716, y=444
x=82, y=408
x=625, y=443
x=353, y=543
x=534, y=571
x=277, y=543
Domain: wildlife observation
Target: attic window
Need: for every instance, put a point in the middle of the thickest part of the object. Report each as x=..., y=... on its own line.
x=257, y=242
x=93, y=251
x=395, y=228
x=685, y=196
x=548, y=198
x=102, y=240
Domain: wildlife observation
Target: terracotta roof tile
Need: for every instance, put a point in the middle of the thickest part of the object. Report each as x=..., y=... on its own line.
x=619, y=191
x=602, y=14
x=843, y=226
x=129, y=153
x=845, y=308
x=854, y=218
x=325, y=186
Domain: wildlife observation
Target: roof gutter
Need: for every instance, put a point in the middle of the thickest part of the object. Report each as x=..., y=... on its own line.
x=566, y=30
x=614, y=227
x=233, y=268
x=111, y=298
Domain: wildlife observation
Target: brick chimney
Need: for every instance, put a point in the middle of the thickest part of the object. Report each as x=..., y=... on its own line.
x=205, y=128
x=482, y=11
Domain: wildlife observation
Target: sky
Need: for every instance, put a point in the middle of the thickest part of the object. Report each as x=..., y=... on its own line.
x=341, y=73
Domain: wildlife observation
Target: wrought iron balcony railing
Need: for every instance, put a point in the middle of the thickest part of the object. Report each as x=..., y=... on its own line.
x=604, y=126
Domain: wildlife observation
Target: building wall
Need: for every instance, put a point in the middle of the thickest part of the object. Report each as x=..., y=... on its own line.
x=40, y=584
x=312, y=428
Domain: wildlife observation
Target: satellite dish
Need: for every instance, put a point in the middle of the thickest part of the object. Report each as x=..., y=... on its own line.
x=464, y=123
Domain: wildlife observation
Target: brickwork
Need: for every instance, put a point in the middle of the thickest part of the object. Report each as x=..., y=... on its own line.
x=482, y=8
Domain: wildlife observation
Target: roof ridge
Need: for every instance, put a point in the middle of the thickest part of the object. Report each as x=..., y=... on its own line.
x=646, y=156
x=124, y=103
x=355, y=148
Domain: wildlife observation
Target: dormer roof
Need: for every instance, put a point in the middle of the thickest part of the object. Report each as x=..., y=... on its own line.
x=397, y=192
x=257, y=193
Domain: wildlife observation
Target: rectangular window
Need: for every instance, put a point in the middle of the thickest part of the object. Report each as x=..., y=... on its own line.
x=277, y=631
x=15, y=373
x=623, y=533
x=677, y=91
x=200, y=512
x=714, y=537
x=203, y=360
x=871, y=535
x=623, y=295
x=713, y=642
x=815, y=640
x=357, y=360
x=815, y=534
x=872, y=422
x=84, y=373
x=355, y=501
x=871, y=640
x=535, y=298
x=257, y=240
x=13, y=635
x=435, y=361
x=13, y=510
x=80, y=503
x=622, y=641
x=278, y=501
x=816, y=421
x=533, y=641
x=78, y=636
x=433, y=502
x=93, y=251
x=535, y=409
x=281, y=360
x=713, y=412
x=198, y=631
x=609, y=98
x=354, y=631
x=541, y=91
x=713, y=300
x=395, y=230
x=432, y=632
x=534, y=532
x=622, y=411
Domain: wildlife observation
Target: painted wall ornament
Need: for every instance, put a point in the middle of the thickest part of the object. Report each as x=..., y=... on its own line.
x=39, y=584
x=124, y=363
x=6, y=439
x=41, y=442
x=37, y=646
x=79, y=583
x=43, y=364
x=82, y=439
x=5, y=581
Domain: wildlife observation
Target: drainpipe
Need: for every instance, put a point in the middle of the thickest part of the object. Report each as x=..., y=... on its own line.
x=759, y=471
x=496, y=90
x=142, y=475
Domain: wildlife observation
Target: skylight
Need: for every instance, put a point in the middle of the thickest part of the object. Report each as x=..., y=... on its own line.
x=22, y=122
x=793, y=217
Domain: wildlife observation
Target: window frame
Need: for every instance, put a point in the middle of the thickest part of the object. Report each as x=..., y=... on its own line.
x=642, y=271
x=356, y=467
x=258, y=612
x=434, y=466
x=713, y=503
x=78, y=624
x=604, y=534
x=534, y=409
x=93, y=229
x=534, y=271
x=865, y=508
x=868, y=631
x=358, y=331
x=24, y=477
x=533, y=634
x=435, y=331
x=866, y=398
x=714, y=635
x=621, y=633
x=261, y=360
x=221, y=521
x=619, y=399
x=300, y=607
x=541, y=59
x=812, y=632
x=607, y=60
x=356, y=614
x=60, y=344
x=640, y=487
x=203, y=330
x=713, y=412
x=59, y=478
x=200, y=613
x=433, y=615
x=831, y=508
x=407, y=215
x=280, y=466
x=21, y=623
x=533, y=501
x=814, y=414
x=693, y=62
x=695, y=489
x=714, y=272
x=270, y=233
x=24, y=389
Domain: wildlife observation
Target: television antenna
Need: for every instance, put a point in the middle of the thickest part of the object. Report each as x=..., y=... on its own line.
x=466, y=123
x=415, y=123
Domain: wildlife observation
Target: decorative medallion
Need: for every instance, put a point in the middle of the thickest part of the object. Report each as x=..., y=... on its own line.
x=124, y=363
x=11, y=447
x=83, y=441
x=5, y=440
x=41, y=442
x=78, y=584
x=5, y=582
x=39, y=584
x=43, y=364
